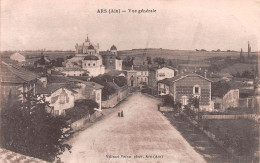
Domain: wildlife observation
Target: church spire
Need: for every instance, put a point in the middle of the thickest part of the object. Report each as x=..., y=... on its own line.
x=87, y=40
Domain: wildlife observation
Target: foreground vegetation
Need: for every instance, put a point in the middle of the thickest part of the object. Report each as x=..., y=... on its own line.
x=30, y=130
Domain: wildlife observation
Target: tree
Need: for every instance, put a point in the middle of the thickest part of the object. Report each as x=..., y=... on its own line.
x=170, y=62
x=159, y=60
x=149, y=60
x=28, y=129
x=107, y=90
x=168, y=100
x=214, y=68
x=220, y=88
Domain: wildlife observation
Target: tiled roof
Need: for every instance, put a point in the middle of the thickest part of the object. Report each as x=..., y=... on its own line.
x=114, y=85
x=91, y=57
x=9, y=156
x=168, y=67
x=180, y=76
x=71, y=69
x=194, y=65
x=93, y=85
x=115, y=72
x=137, y=68
x=53, y=72
x=15, y=74
x=50, y=88
x=73, y=79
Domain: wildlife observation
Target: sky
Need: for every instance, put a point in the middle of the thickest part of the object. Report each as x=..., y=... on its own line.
x=177, y=24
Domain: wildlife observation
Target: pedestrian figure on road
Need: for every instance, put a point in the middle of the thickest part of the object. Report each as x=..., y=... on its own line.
x=122, y=114
x=118, y=113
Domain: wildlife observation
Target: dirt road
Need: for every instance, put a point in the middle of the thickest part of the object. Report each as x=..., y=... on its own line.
x=142, y=135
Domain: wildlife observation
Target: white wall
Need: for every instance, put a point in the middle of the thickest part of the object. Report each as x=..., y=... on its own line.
x=163, y=73
x=56, y=101
x=119, y=65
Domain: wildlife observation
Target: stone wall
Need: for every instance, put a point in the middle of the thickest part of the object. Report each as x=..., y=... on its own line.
x=79, y=124
x=244, y=116
x=114, y=99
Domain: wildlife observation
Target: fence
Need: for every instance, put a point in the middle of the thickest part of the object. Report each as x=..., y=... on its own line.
x=244, y=116
x=165, y=109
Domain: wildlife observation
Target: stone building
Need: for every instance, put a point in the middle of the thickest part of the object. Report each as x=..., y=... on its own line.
x=165, y=72
x=111, y=60
x=16, y=81
x=184, y=87
x=229, y=100
x=18, y=57
x=62, y=92
x=137, y=76
x=88, y=58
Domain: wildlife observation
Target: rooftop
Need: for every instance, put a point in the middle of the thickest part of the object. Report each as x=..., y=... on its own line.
x=180, y=76
x=52, y=87
x=15, y=74
x=116, y=72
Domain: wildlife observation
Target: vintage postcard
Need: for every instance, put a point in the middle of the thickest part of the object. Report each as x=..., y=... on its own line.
x=161, y=81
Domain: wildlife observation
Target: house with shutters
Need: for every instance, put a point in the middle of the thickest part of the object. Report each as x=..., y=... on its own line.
x=184, y=87
x=62, y=92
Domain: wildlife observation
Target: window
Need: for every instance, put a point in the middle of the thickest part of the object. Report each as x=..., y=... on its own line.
x=89, y=64
x=56, y=112
x=94, y=64
x=184, y=100
x=161, y=74
x=196, y=89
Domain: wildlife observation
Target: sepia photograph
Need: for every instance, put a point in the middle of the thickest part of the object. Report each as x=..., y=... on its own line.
x=124, y=81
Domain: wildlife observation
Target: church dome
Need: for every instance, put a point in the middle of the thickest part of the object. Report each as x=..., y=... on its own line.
x=91, y=47
x=91, y=58
x=113, y=47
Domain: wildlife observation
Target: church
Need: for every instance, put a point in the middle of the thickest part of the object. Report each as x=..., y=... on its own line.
x=111, y=60
x=87, y=57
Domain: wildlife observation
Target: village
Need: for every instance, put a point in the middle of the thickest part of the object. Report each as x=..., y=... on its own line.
x=215, y=92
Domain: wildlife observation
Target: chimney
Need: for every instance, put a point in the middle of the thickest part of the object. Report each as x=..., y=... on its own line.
x=48, y=71
x=44, y=84
x=43, y=80
x=182, y=74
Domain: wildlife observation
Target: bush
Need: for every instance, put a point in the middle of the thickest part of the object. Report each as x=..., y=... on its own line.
x=168, y=100
x=146, y=90
x=107, y=90
x=82, y=108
